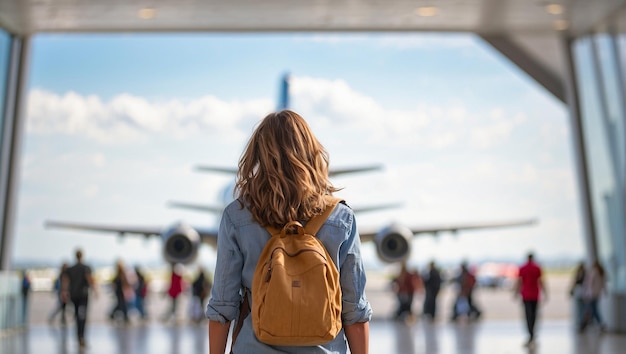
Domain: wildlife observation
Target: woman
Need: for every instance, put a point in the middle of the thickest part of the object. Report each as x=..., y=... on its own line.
x=576, y=291
x=121, y=286
x=199, y=291
x=405, y=285
x=593, y=287
x=283, y=176
x=141, y=290
x=61, y=303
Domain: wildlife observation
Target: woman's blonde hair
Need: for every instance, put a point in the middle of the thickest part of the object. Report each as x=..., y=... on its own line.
x=283, y=172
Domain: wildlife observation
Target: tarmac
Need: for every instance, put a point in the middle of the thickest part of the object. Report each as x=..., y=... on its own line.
x=500, y=330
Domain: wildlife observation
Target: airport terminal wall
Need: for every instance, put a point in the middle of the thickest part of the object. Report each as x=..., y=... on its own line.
x=599, y=72
x=11, y=302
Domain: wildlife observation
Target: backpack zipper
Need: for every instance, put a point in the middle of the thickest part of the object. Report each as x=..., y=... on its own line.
x=268, y=275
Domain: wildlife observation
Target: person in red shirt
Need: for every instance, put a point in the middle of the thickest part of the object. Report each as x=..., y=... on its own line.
x=176, y=288
x=405, y=285
x=464, y=304
x=529, y=286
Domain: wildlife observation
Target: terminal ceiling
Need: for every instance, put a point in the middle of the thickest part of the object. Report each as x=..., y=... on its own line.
x=528, y=32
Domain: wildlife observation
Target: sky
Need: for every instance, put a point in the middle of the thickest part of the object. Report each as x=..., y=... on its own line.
x=116, y=124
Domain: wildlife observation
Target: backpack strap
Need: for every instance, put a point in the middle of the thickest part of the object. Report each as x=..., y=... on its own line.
x=244, y=310
x=316, y=222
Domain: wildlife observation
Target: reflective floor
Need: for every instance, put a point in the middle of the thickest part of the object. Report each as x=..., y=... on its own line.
x=486, y=337
x=500, y=331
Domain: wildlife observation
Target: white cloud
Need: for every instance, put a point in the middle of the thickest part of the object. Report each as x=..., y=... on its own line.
x=91, y=191
x=333, y=103
x=98, y=160
x=496, y=131
x=327, y=105
x=128, y=118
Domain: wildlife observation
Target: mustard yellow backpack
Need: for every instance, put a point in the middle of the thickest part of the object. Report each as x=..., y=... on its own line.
x=296, y=295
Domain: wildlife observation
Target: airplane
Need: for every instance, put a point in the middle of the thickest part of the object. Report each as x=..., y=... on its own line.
x=393, y=242
x=181, y=241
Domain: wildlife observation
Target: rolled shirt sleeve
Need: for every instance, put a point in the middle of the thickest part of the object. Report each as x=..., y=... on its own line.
x=355, y=307
x=226, y=291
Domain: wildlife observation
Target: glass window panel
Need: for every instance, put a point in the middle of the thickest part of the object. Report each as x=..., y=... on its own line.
x=5, y=49
x=614, y=109
x=613, y=98
x=606, y=196
x=621, y=42
x=621, y=66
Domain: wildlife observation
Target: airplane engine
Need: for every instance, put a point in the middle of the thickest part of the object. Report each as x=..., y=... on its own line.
x=393, y=243
x=181, y=244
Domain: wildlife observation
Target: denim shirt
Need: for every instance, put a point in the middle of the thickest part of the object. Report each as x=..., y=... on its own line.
x=239, y=244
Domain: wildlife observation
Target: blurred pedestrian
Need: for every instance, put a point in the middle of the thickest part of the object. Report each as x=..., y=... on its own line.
x=175, y=289
x=529, y=286
x=593, y=287
x=464, y=304
x=141, y=291
x=61, y=303
x=200, y=290
x=432, y=284
x=123, y=293
x=25, y=293
x=405, y=285
x=75, y=285
x=576, y=292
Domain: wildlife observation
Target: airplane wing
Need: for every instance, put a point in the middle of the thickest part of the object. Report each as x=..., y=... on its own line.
x=344, y=171
x=365, y=209
x=208, y=235
x=332, y=172
x=205, y=168
x=217, y=210
x=140, y=230
x=198, y=207
x=368, y=234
